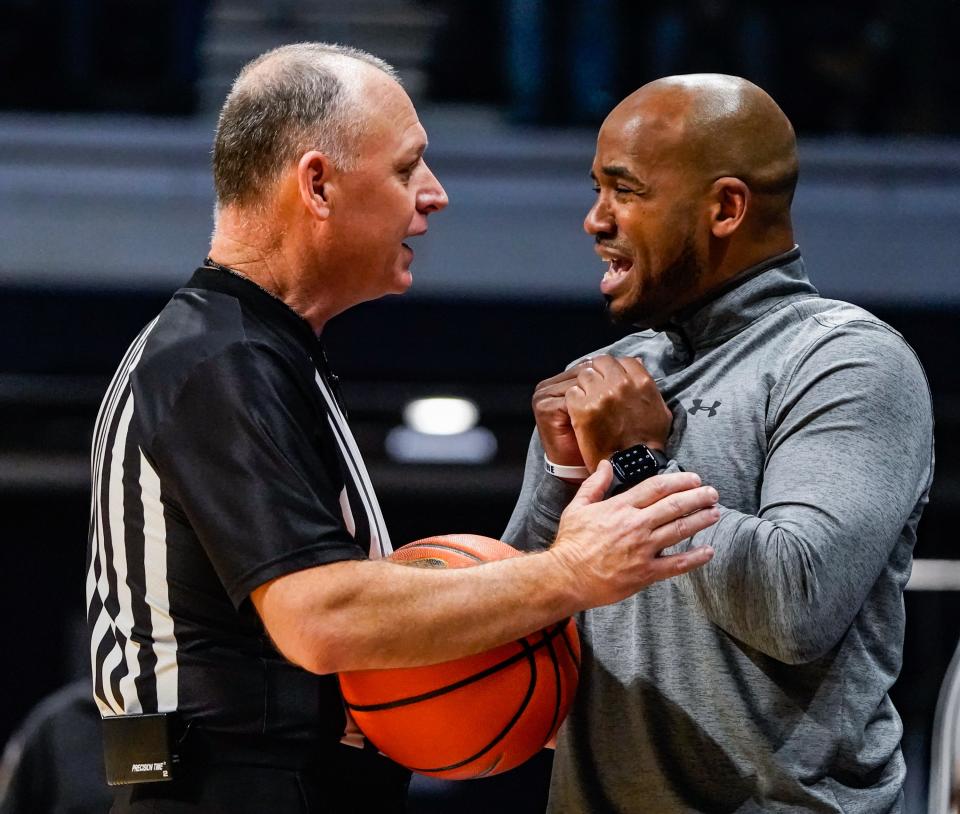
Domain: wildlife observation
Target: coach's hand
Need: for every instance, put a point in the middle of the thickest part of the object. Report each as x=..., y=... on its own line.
x=612, y=547
x=615, y=404
x=553, y=420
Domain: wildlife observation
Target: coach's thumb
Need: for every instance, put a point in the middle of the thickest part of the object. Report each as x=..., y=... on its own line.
x=595, y=487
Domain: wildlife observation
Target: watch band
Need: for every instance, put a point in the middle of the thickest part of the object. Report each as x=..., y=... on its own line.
x=637, y=463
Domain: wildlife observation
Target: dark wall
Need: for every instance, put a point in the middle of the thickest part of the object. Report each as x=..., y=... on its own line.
x=117, y=55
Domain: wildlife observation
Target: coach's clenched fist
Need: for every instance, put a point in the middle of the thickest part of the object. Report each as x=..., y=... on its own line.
x=615, y=404
x=553, y=421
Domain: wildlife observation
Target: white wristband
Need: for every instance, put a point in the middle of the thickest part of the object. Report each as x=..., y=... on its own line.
x=558, y=471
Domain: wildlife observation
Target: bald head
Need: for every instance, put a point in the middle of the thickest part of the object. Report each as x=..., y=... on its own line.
x=716, y=126
x=308, y=96
x=694, y=178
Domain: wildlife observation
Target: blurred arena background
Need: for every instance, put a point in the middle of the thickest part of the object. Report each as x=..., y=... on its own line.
x=107, y=110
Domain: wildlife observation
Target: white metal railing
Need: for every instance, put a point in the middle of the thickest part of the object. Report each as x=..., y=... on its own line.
x=935, y=575
x=944, y=792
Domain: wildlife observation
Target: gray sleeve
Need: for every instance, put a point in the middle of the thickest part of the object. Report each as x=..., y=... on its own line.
x=850, y=434
x=533, y=524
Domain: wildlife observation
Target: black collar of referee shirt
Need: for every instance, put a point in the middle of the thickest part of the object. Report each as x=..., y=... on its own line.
x=213, y=276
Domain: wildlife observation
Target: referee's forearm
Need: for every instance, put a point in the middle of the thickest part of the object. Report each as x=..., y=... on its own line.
x=375, y=614
x=370, y=614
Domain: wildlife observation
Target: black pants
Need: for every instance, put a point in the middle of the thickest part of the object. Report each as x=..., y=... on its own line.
x=227, y=775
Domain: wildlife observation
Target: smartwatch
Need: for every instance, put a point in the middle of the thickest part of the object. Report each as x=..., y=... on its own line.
x=634, y=465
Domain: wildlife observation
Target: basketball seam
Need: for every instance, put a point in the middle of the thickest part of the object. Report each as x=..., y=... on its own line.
x=463, y=682
x=530, y=653
x=455, y=550
x=566, y=641
x=556, y=675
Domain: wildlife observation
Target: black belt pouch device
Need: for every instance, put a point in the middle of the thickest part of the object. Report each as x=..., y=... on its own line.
x=140, y=748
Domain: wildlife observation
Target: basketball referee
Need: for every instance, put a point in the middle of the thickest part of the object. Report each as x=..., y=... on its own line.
x=236, y=544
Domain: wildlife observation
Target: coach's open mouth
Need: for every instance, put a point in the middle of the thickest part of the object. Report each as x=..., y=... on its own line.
x=618, y=267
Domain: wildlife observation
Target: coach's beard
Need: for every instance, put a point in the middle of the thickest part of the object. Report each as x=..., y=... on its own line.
x=669, y=294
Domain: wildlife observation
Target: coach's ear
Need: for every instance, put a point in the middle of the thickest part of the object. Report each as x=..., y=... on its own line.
x=314, y=177
x=730, y=198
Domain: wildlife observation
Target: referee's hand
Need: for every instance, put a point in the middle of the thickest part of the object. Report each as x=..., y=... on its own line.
x=612, y=547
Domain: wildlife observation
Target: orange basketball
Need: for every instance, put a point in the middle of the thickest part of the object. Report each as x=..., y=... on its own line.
x=475, y=716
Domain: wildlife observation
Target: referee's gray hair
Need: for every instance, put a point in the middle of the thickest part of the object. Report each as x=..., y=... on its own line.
x=285, y=102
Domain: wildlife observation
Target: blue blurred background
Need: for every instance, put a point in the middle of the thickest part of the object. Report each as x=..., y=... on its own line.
x=107, y=109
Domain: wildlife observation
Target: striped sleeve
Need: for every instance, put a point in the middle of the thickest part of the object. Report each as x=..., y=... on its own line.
x=133, y=650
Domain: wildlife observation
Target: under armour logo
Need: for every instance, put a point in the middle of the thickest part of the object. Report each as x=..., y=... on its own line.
x=698, y=405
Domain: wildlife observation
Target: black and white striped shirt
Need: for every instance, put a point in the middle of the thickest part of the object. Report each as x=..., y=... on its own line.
x=221, y=460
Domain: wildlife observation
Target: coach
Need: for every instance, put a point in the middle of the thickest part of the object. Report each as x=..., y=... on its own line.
x=758, y=683
x=236, y=546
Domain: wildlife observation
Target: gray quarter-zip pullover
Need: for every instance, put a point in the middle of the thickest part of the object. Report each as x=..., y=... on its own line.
x=759, y=683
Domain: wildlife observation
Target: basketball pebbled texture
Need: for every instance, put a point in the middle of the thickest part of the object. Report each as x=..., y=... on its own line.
x=475, y=716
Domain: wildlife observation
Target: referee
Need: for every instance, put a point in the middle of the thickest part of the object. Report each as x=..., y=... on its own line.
x=236, y=544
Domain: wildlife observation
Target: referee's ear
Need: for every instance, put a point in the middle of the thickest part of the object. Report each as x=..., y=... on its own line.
x=314, y=173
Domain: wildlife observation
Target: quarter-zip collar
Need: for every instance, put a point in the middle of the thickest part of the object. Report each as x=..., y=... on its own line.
x=754, y=292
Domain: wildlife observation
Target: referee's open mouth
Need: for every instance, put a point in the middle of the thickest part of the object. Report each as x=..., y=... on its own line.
x=415, y=233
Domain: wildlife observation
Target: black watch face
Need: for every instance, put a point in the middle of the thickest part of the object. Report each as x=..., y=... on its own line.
x=634, y=465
